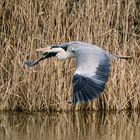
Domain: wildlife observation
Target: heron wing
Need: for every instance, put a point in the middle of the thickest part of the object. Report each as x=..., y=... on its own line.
x=91, y=75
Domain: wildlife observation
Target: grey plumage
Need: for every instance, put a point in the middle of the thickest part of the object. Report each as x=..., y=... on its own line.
x=91, y=73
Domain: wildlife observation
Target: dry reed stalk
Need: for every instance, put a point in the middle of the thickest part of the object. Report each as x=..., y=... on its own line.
x=79, y=126
x=27, y=25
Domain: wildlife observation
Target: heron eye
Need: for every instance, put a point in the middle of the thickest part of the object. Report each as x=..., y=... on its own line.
x=73, y=49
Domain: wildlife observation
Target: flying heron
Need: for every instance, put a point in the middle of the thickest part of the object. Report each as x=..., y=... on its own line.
x=92, y=67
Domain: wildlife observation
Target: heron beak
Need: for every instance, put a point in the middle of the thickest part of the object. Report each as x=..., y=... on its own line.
x=43, y=49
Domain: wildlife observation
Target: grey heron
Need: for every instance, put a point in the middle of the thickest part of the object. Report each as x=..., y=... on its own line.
x=92, y=70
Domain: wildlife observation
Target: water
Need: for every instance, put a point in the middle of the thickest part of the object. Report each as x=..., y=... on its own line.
x=70, y=126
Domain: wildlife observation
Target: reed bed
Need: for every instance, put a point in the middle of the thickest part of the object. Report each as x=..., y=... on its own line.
x=26, y=25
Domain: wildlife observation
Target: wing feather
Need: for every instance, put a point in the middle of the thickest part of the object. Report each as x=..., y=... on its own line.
x=93, y=66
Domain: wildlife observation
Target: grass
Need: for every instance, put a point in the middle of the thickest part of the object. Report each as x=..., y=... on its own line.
x=28, y=25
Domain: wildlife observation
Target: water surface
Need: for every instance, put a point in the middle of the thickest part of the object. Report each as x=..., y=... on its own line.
x=70, y=126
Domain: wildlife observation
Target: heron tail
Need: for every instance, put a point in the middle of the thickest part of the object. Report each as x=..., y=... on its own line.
x=124, y=57
x=119, y=57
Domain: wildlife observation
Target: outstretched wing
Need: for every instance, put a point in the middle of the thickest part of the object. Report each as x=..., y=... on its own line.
x=91, y=75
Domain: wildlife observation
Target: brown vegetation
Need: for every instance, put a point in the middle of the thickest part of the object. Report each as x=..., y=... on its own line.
x=97, y=125
x=29, y=24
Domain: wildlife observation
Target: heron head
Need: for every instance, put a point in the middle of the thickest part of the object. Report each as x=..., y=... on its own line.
x=51, y=51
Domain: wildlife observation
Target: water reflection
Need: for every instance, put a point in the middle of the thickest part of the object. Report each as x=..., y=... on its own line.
x=70, y=126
